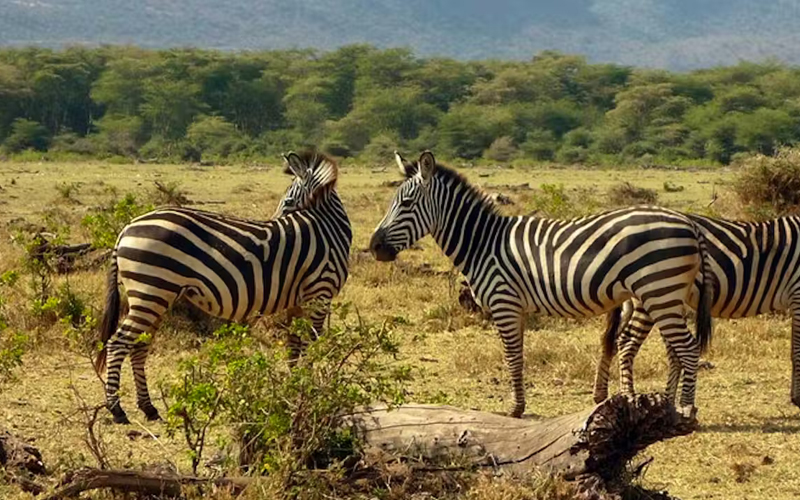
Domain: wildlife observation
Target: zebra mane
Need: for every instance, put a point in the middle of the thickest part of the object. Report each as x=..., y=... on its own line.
x=323, y=173
x=453, y=178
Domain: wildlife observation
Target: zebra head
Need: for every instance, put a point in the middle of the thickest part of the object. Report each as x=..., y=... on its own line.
x=410, y=216
x=312, y=171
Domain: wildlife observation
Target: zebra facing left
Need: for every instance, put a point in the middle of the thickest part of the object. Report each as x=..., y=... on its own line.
x=231, y=268
x=584, y=267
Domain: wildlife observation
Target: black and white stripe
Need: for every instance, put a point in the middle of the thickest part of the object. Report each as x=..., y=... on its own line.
x=755, y=267
x=228, y=267
x=578, y=268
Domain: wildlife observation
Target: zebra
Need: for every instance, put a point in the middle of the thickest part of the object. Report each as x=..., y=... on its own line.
x=755, y=268
x=576, y=268
x=231, y=268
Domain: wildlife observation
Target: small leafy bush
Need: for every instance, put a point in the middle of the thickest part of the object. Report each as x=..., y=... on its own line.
x=286, y=420
x=106, y=223
x=12, y=344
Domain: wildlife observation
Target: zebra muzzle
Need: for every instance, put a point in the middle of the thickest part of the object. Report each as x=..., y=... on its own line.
x=380, y=249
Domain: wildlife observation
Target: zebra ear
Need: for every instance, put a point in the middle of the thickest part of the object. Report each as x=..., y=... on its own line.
x=406, y=168
x=427, y=165
x=296, y=165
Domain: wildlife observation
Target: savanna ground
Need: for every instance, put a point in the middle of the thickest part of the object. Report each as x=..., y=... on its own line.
x=748, y=445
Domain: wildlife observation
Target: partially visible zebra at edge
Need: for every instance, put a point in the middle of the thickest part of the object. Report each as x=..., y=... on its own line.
x=755, y=268
x=520, y=265
x=228, y=267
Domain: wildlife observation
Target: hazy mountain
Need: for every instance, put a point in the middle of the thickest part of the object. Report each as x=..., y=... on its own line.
x=677, y=34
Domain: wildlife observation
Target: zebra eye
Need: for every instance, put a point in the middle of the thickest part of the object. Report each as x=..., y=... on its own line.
x=406, y=202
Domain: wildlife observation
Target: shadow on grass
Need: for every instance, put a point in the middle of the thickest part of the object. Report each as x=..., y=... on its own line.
x=777, y=425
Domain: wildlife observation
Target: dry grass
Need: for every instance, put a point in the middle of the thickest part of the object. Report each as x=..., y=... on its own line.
x=749, y=443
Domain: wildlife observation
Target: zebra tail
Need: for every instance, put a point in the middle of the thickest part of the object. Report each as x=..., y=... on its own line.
x=703, y=325
x=613, y=321
x=111, y=315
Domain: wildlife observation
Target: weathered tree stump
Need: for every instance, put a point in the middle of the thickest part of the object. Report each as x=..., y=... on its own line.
x=21, y=462
x=596, y=443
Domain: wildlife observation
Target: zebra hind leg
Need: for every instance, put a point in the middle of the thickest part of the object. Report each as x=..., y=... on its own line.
x=138, y=359
x=796, y=352
x=685, y=348
x=630, y=341
x=675, y=371
x=143, y=317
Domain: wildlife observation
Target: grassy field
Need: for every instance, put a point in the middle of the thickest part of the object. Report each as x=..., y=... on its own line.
x=748, y=445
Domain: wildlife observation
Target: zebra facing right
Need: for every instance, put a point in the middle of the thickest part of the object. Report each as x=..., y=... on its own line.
x=755, y=268
x=228, y=267
x=521, y=265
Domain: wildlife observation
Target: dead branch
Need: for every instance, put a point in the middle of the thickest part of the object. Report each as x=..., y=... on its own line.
x=139, y=482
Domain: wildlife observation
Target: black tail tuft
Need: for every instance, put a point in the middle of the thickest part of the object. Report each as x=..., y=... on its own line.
x=703, y=326
x=613, y=321
x=110, y=316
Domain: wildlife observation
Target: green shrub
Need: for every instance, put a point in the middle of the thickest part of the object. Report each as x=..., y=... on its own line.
x=540, y=145
x=379, y=150
x=285, y=420
x=106, y=223
x=212, y=135
x=26, y=134
x=572, y=155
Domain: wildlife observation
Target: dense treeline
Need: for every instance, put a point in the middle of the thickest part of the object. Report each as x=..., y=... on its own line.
x=361, y=101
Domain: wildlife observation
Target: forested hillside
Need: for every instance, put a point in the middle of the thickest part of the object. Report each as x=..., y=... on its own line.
x=362, y=101
x=678, y=34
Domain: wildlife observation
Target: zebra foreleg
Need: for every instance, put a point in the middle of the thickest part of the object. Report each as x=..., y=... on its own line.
x=510, y=327
x=293, y=341
x=138, y=359
x=796, y=352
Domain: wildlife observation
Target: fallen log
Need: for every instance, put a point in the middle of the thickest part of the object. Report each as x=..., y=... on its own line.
x=597, y=443
x=593, y=446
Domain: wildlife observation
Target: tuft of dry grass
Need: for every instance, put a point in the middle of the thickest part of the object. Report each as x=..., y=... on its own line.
x=770, y=184
x=625, y=193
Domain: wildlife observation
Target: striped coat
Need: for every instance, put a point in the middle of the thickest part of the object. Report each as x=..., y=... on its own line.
x=755, y=269
x=517, y=266
x=228, y=267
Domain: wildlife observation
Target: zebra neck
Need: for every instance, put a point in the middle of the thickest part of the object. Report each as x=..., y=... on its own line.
x=467, y=231
x=329, y=207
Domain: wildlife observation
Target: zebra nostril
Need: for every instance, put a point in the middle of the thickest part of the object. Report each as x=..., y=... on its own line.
x=376, y=242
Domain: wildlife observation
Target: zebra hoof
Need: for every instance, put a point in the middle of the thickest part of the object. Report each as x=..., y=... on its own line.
x=119, y=415
x=517, y=412
x=150, y=413
x=121, y=418
x=688, y=412
x=152, y=416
